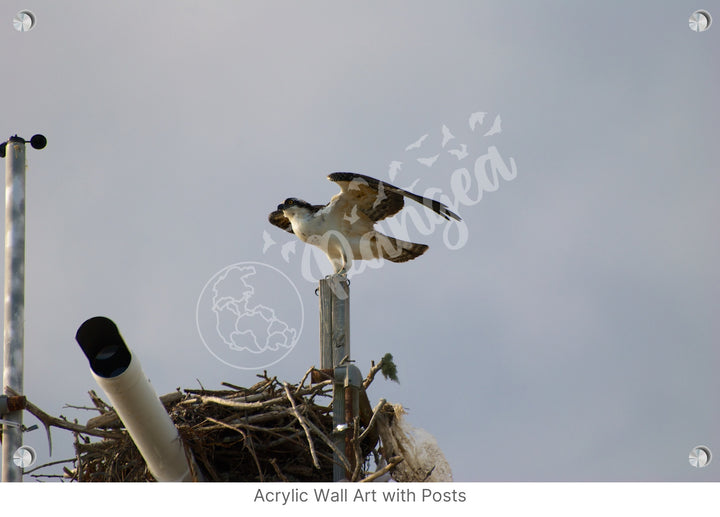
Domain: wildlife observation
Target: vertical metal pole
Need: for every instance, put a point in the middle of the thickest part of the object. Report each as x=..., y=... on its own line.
x=326, y=348
x=334, y=346
x=14, y=299
x=334, y=321
x=340, y=319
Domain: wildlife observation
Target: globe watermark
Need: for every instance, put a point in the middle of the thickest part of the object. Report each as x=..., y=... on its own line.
x=250, y=315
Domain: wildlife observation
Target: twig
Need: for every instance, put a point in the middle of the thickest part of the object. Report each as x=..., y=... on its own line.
x=285, y=438
x=84, y=408
x=376, y=412
x=429, y=473
x=387, y=468
x=36, y=476
x=249, y=445
x=78, y=466
x=99, y=403
x=331, y=444
x=201, y=454
x=371, y=374
x=48, y=421
x=246, y=440
x=229, y=394
x=315, y=389
x=192, y=464
x=274, y=464
x=70, y=460
x=232, y=386
x=264, y=383
x=304, y=425
x=240, y=405
x=307, y=373
x=356, y=448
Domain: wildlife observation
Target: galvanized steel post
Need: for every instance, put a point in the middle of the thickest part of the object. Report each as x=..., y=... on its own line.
x=14, y=299
x=14, y=315
x=335, y=353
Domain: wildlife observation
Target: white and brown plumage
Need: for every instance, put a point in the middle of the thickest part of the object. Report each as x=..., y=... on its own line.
x=344, y=228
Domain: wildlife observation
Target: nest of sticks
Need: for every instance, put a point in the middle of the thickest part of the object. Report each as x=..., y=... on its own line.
x=270, y=432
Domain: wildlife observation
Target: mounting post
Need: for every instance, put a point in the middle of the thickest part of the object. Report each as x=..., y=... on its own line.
x=14, y=315
x=335, y=354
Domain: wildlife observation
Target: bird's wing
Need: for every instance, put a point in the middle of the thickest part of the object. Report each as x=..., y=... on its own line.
x=278, y=219
x=378, y=199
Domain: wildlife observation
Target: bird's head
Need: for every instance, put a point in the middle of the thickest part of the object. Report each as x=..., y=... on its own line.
x=293, y=206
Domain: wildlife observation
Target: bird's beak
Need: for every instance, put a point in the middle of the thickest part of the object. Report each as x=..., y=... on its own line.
x=281, y=206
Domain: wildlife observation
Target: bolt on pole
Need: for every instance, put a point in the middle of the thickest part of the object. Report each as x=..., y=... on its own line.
x=14, y=314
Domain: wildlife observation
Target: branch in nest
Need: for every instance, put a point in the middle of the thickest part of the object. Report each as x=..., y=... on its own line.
x=111, y=419
x=394, y=462
x=51, y=421
x=386, y=366
x=274, y=464
x=304, y=425
x=45, y=465
x=376, y=412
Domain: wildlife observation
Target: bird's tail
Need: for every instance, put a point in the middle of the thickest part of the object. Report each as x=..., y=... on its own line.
x=395, y=250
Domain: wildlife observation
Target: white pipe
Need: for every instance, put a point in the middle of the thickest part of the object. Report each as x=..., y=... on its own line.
x=138, y=406
x=135, y=401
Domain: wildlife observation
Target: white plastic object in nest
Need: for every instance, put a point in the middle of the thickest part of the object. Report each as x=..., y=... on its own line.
x=424, y=461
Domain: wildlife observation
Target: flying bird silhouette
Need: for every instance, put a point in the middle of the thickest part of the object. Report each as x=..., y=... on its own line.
x=353, y=215
x=393, y=169
x=476, y=118
x=447, y=135
x=495, y=129
x=429, y=161
x=287, y=249
x=267, y=241
x=416, y=144
x=459, y=153
x=329, y=228
x=381, y=196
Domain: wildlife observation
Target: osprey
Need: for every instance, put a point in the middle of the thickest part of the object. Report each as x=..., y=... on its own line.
x=343, y=228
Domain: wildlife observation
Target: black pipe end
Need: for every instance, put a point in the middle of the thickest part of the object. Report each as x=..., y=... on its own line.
x=104, y=347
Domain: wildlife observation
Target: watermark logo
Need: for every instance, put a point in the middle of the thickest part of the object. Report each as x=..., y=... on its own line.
x=455, y=167
x=250, y=315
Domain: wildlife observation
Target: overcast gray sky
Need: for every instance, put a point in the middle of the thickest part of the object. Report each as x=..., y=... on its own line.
x=573, y=334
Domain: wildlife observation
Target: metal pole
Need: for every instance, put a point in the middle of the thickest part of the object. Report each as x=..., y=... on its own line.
x=14, y=300
x=334, y=321
x=340, y=320
x=326, y=348
x=334, y=347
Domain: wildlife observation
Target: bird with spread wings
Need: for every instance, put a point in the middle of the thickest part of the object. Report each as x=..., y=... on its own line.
x=344, y=228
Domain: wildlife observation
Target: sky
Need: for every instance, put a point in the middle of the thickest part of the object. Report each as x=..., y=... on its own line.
x=566, y=331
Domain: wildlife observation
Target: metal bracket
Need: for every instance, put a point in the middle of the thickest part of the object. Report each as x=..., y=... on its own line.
x=15, y=424
x=348, y=375
x=8, y=404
